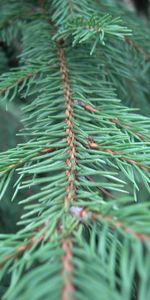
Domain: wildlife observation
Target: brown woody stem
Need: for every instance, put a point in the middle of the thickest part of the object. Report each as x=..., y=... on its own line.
x=71, y=160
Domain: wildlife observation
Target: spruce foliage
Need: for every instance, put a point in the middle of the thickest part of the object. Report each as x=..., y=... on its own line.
x=82, y=171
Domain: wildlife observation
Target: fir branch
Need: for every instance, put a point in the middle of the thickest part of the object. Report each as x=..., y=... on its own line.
x=86, y=216
x=16, y=164
x=11, y=19
x=102, y=190
x=68, y=9
x=130, y=128
x=17, y=253
x=137, y=47
x=117, y=154
x=71, y=161
x=82, y=30
x=19, y=13
x=68, y=289
x=119, y=225
x=18, y=79
x=80, y=134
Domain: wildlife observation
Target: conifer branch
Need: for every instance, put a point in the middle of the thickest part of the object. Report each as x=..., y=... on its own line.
x=116, y=121
x=80, y=133
x=17, y=80
x=37, y=238
x=21, y=250
x=117, y=154
x=68, y=289
x=22, y=15
x=5, y=169
x=137, y=47
x=86, y=216
x=10, y=20
x=119, y=225
x=71, y=161
x=130, y=129
x=102, y=190
x=67, y=267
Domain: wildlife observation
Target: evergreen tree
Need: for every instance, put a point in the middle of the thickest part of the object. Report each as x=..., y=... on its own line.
x=79, y=71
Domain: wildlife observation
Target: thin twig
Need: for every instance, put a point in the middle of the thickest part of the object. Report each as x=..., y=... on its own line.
x=85, y=216
x=21, y=161
x=91, y=144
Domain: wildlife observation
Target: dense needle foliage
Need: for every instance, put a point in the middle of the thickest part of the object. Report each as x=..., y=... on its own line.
x=80, y=177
